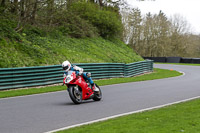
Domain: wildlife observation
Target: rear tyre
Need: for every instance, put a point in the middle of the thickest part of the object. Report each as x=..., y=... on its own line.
x=75, y=94
x=97, y=95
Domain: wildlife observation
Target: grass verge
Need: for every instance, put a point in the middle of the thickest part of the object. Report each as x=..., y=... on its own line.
x=178, y=118
x=157, y=74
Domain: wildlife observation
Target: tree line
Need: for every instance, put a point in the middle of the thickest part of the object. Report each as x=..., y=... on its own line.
x=75, y=18
x=156, y=35
x=149, y=35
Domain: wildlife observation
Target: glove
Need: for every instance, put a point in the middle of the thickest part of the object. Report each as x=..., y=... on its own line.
x=80, y=73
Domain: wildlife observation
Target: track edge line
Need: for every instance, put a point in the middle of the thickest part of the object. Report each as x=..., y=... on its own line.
x=123, y=114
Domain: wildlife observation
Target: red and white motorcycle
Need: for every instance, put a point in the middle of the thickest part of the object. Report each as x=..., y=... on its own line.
x=79, y=89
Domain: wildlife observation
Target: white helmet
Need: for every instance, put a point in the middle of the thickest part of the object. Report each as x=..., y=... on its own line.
x=66, y=65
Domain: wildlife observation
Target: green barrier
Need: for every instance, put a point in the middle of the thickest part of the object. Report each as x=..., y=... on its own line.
x=12, y=78
x=138, y=68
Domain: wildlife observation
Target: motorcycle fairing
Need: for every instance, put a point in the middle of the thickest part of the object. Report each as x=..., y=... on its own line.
x=80, y=81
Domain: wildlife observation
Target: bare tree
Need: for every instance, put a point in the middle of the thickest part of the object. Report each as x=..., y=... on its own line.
x=135, y=20
x=179, y=35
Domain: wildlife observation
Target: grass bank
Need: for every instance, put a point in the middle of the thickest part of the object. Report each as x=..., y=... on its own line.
x=157, y=74
x=37, y=46
x=40, y=51
x=178, y=118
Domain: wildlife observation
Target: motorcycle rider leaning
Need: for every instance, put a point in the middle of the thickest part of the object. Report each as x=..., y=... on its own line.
x=66, y=65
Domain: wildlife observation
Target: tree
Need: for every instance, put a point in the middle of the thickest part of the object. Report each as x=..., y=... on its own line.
x=125, y=13
x=3, y=3
x=135, y=20
x=34, y=11
x=22, y=8
x=179, y=35
x=150, y=36
x=157, y=35
x=163, y=26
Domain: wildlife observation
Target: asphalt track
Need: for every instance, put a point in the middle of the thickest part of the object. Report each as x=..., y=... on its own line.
x=51, y=111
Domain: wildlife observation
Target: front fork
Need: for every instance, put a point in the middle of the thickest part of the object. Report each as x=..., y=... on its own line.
x=75, y=86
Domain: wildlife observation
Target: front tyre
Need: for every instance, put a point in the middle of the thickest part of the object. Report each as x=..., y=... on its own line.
x=75, y=94
x=97, y=95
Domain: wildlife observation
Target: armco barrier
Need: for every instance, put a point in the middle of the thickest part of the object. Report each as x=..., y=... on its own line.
x=138, y=68
x=174, y=60
x=186, y=60
x=12, y=78
x=157, y=59
x=196, y=60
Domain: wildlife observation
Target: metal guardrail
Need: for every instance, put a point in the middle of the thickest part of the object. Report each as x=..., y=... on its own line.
x=174, y=60
x=138, y=68
x=12, y=78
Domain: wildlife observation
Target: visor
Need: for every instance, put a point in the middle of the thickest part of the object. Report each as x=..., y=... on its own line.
x=65, y=68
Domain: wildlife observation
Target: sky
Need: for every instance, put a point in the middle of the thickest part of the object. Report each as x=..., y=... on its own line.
x=189, y=9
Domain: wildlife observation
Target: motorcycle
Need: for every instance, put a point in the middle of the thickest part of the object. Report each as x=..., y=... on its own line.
x=80, y=89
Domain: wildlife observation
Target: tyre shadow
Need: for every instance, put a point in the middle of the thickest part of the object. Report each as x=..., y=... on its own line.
x=70, y=103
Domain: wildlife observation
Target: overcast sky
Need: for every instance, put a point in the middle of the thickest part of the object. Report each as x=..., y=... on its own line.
x=190, y=9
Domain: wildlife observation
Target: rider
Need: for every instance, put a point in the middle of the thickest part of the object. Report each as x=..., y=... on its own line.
x=66, y=65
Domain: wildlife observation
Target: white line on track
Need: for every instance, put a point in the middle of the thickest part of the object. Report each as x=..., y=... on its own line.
x=182, y=73
x=128, y=113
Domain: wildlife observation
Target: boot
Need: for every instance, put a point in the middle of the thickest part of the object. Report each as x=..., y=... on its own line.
x=94, y=88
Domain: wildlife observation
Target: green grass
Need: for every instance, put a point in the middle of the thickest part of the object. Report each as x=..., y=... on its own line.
x=157, y=74
x=178, y=118
x=40, y=51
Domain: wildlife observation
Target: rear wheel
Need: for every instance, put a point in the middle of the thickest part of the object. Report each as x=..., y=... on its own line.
x=97, y=95
x=75, y=94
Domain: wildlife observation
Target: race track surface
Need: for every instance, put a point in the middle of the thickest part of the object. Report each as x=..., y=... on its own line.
x=46, y=112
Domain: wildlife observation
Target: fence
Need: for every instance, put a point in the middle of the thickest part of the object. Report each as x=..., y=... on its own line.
x=138, y=68
x=174, y=60
x=12, y=78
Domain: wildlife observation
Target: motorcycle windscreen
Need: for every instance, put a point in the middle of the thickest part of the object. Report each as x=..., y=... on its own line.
x=70, y=76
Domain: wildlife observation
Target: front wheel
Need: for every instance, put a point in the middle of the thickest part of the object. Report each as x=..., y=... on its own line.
x=97, y=95
x=75, y=94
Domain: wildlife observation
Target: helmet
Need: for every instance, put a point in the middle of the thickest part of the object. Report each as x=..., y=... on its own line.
x=66, y=65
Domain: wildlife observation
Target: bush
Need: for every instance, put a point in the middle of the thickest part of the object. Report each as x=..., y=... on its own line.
x=7, y=29
x=77, y=27
x=69, y=24
x=30, y=30
x=107, y=22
